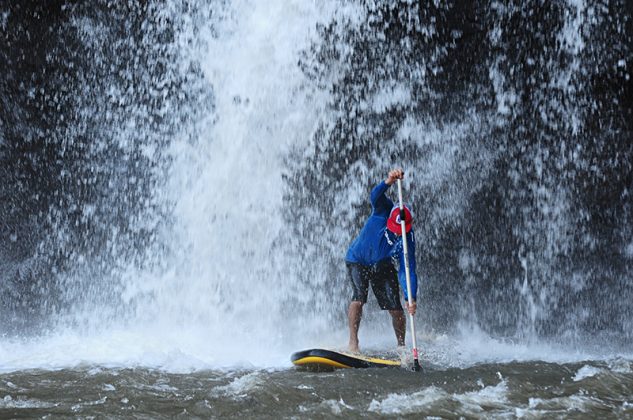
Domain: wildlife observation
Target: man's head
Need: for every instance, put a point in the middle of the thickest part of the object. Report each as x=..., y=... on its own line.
x=393, y=222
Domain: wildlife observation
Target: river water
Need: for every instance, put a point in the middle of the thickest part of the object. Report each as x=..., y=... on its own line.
x=180, y=180
x=470, y=377
x=537, y=389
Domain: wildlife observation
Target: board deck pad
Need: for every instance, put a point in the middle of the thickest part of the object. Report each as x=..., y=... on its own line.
x=330, y=359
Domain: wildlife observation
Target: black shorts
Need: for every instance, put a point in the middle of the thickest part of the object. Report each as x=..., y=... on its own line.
x=384, y=282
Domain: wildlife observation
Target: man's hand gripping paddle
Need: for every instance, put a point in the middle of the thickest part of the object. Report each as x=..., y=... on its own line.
x=416, y=363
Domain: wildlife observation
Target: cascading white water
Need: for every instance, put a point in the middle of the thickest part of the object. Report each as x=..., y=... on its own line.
x=223, y=283
x=217, y=282
x=211, y=283
x=255, y=193
x=559, y=104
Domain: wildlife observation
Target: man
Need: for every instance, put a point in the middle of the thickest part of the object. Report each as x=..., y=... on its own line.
x=369, y=260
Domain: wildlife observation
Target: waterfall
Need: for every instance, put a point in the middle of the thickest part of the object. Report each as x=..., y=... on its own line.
x=187, y=175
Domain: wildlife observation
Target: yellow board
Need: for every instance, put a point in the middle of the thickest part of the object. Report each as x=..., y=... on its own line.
x=386, y=362
x=320, y=358
x=313, y=360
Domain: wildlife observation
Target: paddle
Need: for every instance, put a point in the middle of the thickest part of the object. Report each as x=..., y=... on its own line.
x=416, y=364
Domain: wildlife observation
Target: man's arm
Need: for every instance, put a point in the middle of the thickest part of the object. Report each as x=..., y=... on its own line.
x=379, y=200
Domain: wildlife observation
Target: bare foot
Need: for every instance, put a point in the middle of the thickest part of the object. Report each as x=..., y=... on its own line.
x=353, y=348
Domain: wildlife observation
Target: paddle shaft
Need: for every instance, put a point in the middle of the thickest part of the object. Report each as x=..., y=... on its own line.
x=405, y=248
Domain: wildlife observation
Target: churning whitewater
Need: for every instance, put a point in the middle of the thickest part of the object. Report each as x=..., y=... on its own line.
x=180, y=181
x=213, y=288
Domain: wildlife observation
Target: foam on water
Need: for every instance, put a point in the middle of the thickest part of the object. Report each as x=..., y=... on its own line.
x=580, y=402
x=586, y=372
x=335, y=407
x=469, y=403
x=9, y=402
x=176, y=352
x=189, y=350
x=473, y=346
x=240, y=386
x=405, y=404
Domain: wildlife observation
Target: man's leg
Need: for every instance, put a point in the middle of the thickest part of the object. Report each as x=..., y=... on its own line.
x=354, y=315
x=399, y=324
x=385, y=286
x=358, y=278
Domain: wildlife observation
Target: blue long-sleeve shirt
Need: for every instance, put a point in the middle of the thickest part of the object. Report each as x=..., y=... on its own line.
x=375, y=243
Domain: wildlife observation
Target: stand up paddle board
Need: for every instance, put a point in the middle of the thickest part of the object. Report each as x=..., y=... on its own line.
x=328, y=359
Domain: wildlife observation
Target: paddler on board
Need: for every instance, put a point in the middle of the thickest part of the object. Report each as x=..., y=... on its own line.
x=370, y=260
